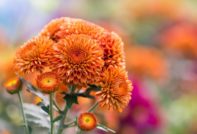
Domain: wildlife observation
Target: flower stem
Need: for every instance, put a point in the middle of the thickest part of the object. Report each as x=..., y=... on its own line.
x=51, y=112
x=70, y=124
x=93, y=107
x=61, y=125
x=79, y=131
x=57, y=107
x=23, y=113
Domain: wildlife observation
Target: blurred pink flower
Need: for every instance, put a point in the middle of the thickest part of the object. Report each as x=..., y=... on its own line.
x=142, y=115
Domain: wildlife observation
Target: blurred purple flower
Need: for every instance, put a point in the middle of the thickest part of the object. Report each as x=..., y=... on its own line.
x=142, y=116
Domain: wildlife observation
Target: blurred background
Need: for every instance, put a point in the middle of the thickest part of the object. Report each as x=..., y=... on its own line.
x=160, y=39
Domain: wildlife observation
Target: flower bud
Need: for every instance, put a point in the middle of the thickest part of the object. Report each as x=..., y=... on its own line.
x=13, y=85
x=87, y=121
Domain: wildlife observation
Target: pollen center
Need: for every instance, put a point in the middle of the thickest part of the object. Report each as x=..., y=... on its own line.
x=77, y=55
x=87, y=120
x=48, y=81
x=11, y=83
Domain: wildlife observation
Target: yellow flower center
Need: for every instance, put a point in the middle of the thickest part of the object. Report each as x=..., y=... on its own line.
x=11, y=82
x=49, y=81
x=87, y=121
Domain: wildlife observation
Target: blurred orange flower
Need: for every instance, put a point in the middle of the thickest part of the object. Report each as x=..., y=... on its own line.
x=143, y=61
x=153, y=8
x=182, y=38
x=33, y=55
x=116, y=89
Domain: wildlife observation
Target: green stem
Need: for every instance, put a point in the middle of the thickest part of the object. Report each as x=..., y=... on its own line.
x=57, y=107
x=79, y=131
x=23, y=113
x=51, y=112
x=93, y=107
x=71, y=124
x=61, y=124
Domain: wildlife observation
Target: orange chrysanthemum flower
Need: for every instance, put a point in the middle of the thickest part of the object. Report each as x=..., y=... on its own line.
x=110, y=42
x=166, y=9
x=116, y=89
x=12, y=85
x=181, y=38
x=78, y=59
x=62, y=27
x=87, y=121
x=113, y=50
x=47, y=82
x=33, y=55
x=155, y=67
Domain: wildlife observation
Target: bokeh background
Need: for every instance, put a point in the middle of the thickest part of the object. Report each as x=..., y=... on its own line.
x=160, y=39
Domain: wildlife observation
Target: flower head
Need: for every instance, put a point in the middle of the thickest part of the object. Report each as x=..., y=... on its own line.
x=47, y=82
x=33, y=55
x=78, y=59
x=110, y=42
x=113, y=50
x=12, y=85
x=87, y=121
x=116, y=89
x=62, y=27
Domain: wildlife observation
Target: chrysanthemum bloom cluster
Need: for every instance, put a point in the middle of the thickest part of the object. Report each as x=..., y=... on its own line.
x=79, y=53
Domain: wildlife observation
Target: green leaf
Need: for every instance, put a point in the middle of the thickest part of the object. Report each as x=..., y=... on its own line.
x=94, y=88
x=45, y=109
x=70, y=100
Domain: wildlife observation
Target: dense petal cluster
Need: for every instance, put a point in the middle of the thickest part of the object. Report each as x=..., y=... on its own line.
x=78, y=53
x=33, y=55
x=110, y=42
x=78, y=59
x=116, y=89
